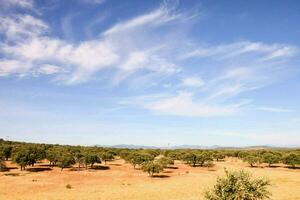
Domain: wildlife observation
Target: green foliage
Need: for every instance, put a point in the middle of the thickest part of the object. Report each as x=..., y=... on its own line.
x=292, y=159
x=65, y=160
x=107, y=156
x=219, y=156
x=197, y=158
x=90, y=158
x=52, y=156
x=2, y=164
x=152, y=167
x=271, y=158
x=6, y=151
x=251, y=159
x=166, y=161
x=21, y=158
x=139, y=158
x=239, y=185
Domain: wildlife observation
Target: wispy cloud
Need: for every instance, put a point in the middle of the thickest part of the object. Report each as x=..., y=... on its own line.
x=22, y=27
x=192, y=82
x=184, y=104
x=225, y=51
x=274, y=109
x=17, y=3
x=147, y=50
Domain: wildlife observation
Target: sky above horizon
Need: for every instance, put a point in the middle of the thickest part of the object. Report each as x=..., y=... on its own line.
x=159, y=73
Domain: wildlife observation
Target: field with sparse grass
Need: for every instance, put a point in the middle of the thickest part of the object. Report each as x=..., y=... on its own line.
x=119, y=181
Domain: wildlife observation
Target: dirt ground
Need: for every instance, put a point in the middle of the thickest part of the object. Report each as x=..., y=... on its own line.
x=122, y=182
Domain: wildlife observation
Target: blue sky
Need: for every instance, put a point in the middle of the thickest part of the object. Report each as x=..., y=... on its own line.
x=150, y=72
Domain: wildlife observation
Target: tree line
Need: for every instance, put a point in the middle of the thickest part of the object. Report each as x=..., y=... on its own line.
x=149, y=160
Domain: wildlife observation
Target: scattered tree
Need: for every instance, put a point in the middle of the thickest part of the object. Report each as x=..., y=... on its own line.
x=65, y=160
x=166, y=161
x=271, y=158
x=152, y=167
x=292, y=160
x=107, y=156
x=251, y=159
x=91, y=158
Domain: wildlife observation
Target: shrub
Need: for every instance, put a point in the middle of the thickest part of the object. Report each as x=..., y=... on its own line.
x=68, y=186
x=152, y=167
x=239, y=185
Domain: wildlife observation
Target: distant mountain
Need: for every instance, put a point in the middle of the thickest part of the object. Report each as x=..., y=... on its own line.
x=131, y=146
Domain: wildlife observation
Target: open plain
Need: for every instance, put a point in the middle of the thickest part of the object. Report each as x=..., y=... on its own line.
x=119, y=181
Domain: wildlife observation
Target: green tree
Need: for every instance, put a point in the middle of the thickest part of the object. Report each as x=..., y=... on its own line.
x=90, y=158
x=65, y=160
x=139, y=158
x=271, y=158
x=197, y=158
x=219, y=156
x=292, y=160
x=21, y=158
x=106, y=156
x=79, y=159
x=166, y=161
x=2, y=163
x=152, y=167
x=190, y=158
x=52, y=156
x=6, y=151
x=251, y=160
x=204, y=157
x=239, y=185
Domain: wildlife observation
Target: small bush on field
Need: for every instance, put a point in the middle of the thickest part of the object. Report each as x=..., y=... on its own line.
x=68, y=186
x=239, y=185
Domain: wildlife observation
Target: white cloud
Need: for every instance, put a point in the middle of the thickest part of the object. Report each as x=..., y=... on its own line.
x=13, y=67
x=49, y=69
x=225, y=51
x=184, y=105
x=94, y=1
x=21, y=26
x=273, y=109
x=157, y=17
x=17, y=3
x=192, y=82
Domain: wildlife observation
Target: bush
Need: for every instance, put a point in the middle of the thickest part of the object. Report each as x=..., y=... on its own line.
x=68, y=186
x=239, y=185
x=152, y=167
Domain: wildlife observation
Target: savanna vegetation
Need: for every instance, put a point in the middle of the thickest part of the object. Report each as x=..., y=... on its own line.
x=235, y=185
x=65, y=156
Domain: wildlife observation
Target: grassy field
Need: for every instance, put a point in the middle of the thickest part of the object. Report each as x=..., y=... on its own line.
x=121, y=181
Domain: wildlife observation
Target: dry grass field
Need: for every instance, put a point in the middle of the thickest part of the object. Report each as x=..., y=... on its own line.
x=122, y=182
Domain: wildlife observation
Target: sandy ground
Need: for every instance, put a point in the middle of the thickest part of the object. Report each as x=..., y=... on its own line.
x=122, y=182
